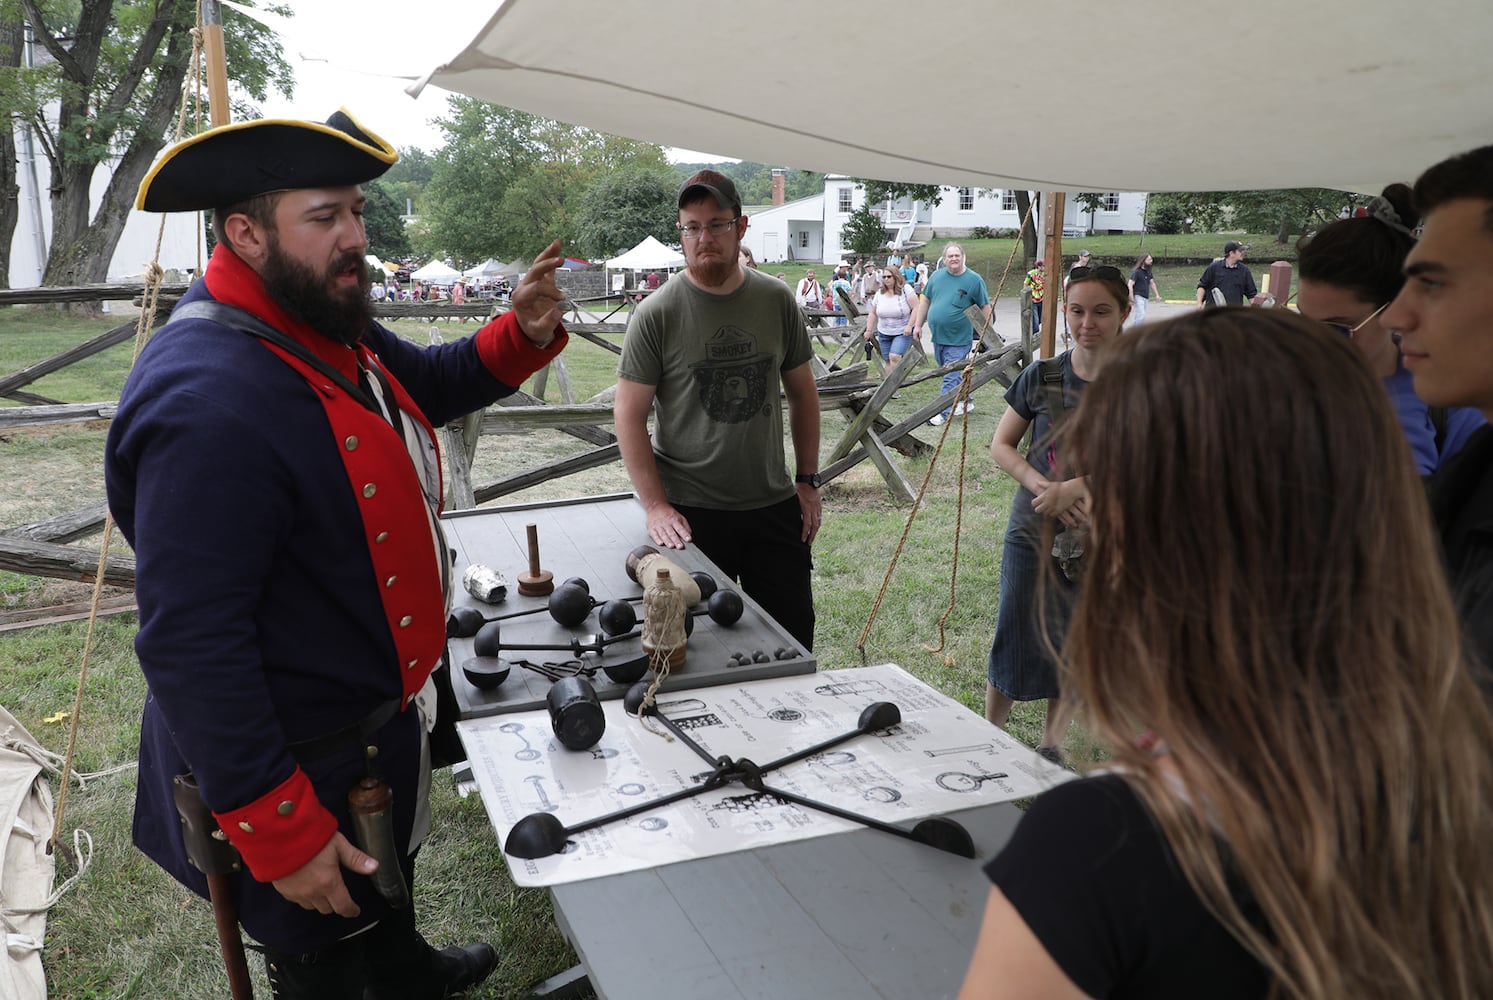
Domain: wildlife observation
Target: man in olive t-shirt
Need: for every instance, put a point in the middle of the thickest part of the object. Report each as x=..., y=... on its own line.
x=714, y=350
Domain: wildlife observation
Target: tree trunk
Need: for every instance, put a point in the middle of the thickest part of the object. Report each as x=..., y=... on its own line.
x=1029, y=241
x=11, y=37
x=1284, y=233
x=83, y=247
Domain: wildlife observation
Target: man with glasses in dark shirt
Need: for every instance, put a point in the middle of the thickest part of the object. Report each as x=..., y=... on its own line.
x=712, y=352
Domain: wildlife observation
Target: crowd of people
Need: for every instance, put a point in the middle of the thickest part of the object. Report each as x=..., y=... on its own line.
x=1220, y=561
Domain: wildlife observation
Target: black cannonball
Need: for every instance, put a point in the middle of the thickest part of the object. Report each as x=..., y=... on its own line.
x=569, y=605
x=463, y=623
x=489, y=640
x=577, y=581
x=617, y=617
x=760, y=657
x=689, y=624
x=633, y=700
x=726, y=607
x=627, y=671
x=705, y=582
x=485, y=672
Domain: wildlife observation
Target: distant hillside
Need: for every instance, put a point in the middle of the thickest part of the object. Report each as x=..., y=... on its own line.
x=754, y=180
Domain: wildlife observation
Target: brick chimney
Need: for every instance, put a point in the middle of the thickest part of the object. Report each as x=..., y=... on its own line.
x=778, y=180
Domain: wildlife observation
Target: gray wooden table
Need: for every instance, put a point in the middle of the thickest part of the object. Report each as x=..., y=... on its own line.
x=853, y=915
x=590, y=537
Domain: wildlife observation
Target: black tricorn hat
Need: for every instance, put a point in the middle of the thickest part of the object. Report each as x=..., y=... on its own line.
x=232, y=163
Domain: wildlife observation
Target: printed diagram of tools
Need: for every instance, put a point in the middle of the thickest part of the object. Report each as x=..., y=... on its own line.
x=940, y=758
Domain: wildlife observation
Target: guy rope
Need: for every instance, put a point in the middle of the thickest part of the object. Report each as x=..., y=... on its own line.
x=959, y=406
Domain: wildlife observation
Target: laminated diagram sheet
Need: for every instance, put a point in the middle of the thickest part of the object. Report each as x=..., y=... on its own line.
x=941, y=758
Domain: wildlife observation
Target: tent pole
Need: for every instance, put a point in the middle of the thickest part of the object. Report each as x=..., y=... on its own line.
x=216, y=61
x=1052, y=252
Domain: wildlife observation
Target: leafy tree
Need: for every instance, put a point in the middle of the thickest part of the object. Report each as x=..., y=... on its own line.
x=863, y=232
x=1029, y=217
x=507, y=182
x=1292, y=211
x=382, y=218
x=1205, y=208
x=754, y=180
x=1091, y=202
x=107, y=97
x=406, y=180
x=621, y=208
x=928, y=194
x=10, y=191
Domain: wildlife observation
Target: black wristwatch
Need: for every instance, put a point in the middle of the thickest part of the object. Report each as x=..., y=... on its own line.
x=812, y=478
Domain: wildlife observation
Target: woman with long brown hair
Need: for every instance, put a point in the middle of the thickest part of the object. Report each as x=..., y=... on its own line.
x=1296, y=802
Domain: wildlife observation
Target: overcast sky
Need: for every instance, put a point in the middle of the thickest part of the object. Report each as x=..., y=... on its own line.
x=363, y=55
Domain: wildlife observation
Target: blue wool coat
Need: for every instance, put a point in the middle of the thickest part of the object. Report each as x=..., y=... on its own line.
x=287, y=580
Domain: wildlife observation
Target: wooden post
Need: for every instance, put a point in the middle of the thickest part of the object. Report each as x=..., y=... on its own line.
x=1052, y=252
x=216, y=61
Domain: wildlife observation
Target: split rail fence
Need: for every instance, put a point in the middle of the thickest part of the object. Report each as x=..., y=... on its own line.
x=43, y=548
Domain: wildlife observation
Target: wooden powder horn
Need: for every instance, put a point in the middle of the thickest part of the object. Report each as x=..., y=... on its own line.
x=535, y=582
x=644, y=564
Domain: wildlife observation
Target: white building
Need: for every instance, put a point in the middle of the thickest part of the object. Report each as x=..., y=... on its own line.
x=809, y=228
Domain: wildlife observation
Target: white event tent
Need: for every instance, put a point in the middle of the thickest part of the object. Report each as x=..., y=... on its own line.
x=489, y=268
x=649, y=255
x=436, y=273
x=1164, y=96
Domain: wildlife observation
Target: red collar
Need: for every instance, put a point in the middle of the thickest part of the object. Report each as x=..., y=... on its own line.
x=235, y=283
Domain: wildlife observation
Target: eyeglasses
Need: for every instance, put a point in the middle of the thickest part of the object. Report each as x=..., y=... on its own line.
x=1102, y=271
x=1349, y=331
x=717, y=228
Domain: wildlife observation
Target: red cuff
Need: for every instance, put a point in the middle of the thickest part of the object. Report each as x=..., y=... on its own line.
x=509, y=355
x=280, y=831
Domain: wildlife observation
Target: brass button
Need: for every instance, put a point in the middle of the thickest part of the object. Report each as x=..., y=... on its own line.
x=369, y=490
x=409, y=699
x=244, y=826
x=351, y=442
x=390, y=581
x=405, y=621
x=285, y=808
x=381, y=538
x=412, y=664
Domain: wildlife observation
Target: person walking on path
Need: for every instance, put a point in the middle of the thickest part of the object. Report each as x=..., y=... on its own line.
x=949, y=291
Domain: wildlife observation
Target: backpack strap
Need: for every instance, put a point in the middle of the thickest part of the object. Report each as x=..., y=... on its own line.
x=1050, y=372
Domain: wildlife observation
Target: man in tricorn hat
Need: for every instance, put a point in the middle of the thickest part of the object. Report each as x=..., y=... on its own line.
x=714, y=348
x=274, y=466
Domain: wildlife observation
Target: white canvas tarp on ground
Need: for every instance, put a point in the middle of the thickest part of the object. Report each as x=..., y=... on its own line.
x=1159, y=96
x=649, y=255
x=26, y=869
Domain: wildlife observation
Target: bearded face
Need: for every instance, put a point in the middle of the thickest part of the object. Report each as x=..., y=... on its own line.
x=334, y=301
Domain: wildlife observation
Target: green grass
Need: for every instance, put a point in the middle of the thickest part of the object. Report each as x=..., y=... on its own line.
x=128, y=931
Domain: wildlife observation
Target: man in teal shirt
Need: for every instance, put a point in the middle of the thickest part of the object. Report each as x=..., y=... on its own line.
x=949, y=291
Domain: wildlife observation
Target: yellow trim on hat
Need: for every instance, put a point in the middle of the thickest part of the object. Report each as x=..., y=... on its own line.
x=382, y=151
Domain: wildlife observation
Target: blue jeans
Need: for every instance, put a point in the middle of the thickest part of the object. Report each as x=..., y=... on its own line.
x=946, y=354
x=897, y=344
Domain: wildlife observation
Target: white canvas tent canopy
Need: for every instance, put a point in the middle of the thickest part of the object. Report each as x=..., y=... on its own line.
x=489, y=268
x=1167, y=97
x=649, y=255
x=436, y=273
